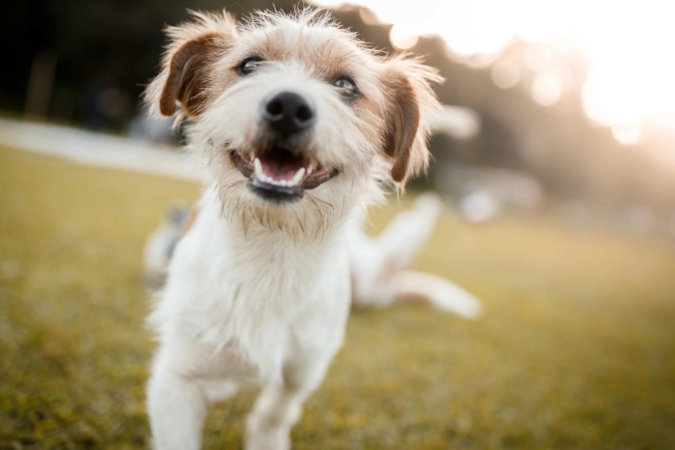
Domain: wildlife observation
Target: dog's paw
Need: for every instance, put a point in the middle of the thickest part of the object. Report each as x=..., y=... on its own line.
x=265, y=437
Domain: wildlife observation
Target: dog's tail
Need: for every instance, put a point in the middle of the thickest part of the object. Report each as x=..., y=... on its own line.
x=436, y=292
x=379, y=265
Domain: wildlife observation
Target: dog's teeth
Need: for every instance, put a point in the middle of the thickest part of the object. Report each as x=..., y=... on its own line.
x=310, y=169
x=260, y=175
x=298, y=176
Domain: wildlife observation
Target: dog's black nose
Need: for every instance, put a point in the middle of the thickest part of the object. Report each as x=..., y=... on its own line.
x=288, y=113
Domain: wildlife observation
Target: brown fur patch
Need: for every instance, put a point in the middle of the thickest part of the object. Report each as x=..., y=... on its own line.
x=404, y=121
x=187, y=65
x=188, y=73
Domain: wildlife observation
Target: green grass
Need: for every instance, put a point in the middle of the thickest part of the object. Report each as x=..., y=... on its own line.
x=576, y=349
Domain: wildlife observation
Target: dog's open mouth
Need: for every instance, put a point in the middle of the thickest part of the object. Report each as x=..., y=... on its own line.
x=279, y=175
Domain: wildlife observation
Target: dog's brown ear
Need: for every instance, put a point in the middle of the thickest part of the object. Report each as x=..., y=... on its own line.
x=187, y=65
x=410, y=107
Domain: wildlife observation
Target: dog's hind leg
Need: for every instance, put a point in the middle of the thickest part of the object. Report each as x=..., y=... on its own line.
x=280, y=405
x=405, y=235
x=177, y=407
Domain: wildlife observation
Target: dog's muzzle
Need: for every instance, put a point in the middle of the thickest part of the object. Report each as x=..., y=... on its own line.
x=279, y=169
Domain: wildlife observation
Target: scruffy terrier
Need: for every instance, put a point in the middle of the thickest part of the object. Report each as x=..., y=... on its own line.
x=298, y=127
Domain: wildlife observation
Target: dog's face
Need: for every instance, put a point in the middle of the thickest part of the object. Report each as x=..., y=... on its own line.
x=296, y=120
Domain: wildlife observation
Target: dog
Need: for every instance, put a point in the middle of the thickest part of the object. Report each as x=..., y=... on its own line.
x=298, y=127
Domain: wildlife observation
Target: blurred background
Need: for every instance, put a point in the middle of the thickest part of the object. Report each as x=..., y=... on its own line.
x=555, y=154
x=569, y=101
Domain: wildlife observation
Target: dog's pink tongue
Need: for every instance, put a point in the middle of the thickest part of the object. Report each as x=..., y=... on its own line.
x=280, y=165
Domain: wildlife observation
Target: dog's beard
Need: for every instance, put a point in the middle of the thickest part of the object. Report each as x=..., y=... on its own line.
x=304, y=222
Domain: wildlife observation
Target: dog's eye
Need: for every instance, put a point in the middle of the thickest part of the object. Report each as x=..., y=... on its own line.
x=249, y=65
x=347, y=86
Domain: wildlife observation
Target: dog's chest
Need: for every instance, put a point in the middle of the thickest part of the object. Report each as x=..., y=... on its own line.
x=255, y=305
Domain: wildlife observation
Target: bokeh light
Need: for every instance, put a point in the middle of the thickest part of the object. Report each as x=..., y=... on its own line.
x=547, y=88
x=401, y=39
x=627, y=134
x=505, y=74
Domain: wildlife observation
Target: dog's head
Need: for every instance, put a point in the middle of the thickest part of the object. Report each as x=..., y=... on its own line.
x=296, y=120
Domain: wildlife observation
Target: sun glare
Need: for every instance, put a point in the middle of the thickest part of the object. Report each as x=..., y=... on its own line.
x=628, y=45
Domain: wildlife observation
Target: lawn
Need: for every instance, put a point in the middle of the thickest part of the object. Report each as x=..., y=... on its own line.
x=576, y=348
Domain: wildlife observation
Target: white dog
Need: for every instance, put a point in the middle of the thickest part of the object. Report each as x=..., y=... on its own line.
x=298, y=127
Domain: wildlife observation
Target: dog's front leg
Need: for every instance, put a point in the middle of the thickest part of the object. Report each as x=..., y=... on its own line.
x=279, y=406
x=177, y=408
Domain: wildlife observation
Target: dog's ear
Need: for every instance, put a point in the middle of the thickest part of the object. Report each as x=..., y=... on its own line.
x=191, y=53
x=410, y=108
